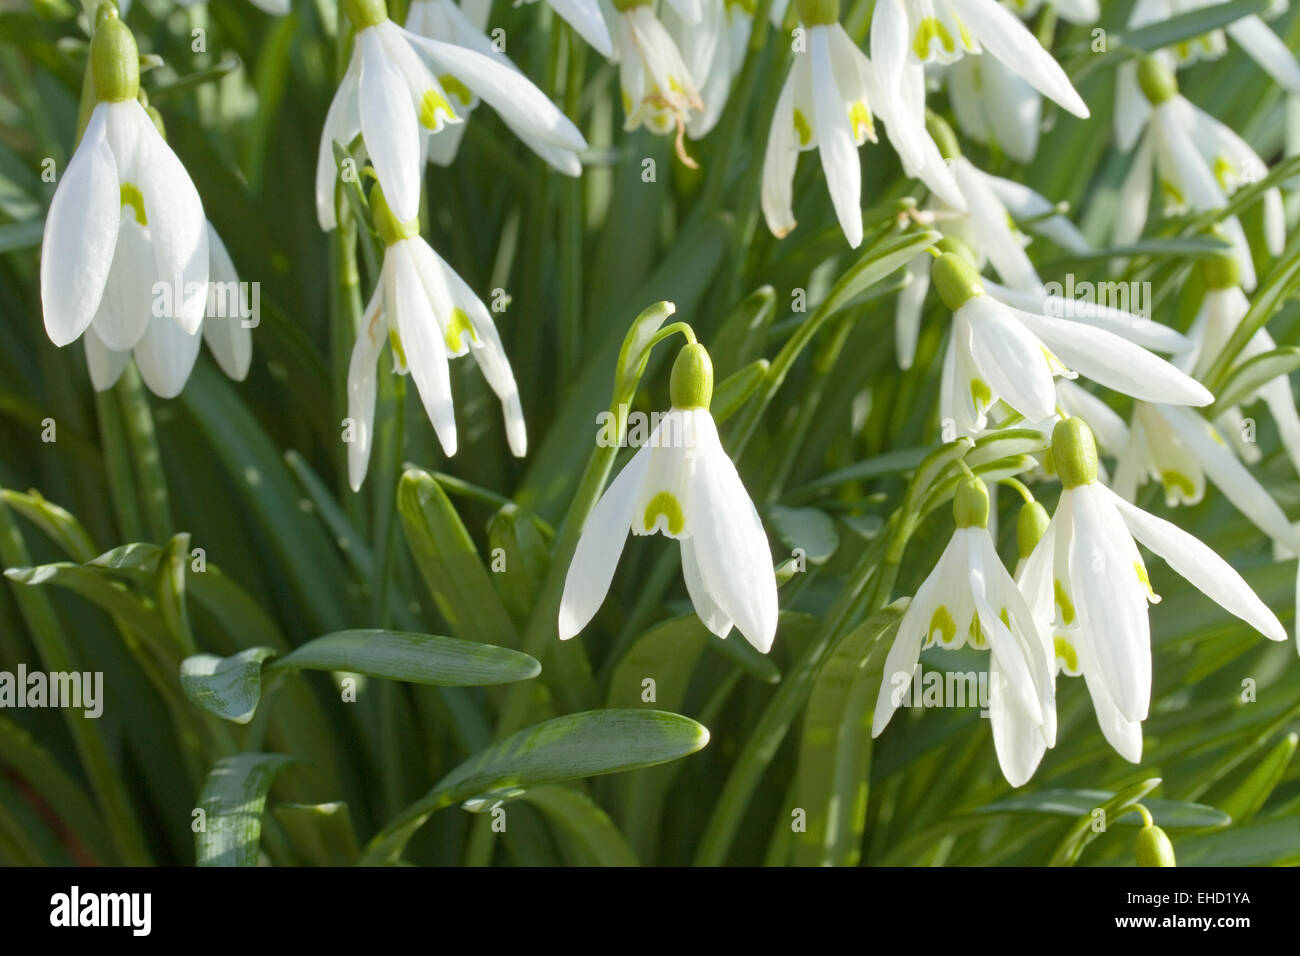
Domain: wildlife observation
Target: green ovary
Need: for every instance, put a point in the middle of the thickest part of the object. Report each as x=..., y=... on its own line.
x=456, y=329
x=131, y=196
x=430, y=104
x=664, y=503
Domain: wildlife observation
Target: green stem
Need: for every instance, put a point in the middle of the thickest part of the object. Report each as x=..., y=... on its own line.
x=143, y=442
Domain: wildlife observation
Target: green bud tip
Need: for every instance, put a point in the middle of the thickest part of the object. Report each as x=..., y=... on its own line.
x=691, y=385
x=1030, y=527
x=365, y=13
x=1074, y=452
x=1154, y=848
x=943, y=135
x=623, y=6
x=389, y=227
x=956, y=280
x=1221, y=271
x=1157, y=80
x=970, y=505
x=815, y=13
x=114, y=60
x=956, y=247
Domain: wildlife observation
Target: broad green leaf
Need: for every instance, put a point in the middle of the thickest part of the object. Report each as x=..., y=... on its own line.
x=566, y=748
x=1262, y=843
x=1272, y=294
x=321, y=832
x=807, y=529
x=524, y=560
x=1169, y=814
x=1253, y=792
x=835, y=748
x=1251, y=375
x=450, y=564
x=58, y=523
x=740, y=339
x=232, y=802
x=417, y=658
x=229, y=687
x=581, y=821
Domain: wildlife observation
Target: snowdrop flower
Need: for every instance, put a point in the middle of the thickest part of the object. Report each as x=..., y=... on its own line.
x=1001, y=352
x=125, y=238
x=915, y=32
x=1199, y=162
x=969, y=598
x=166, y=353
x=681, y=483
x=1259, y=42
x=392, y=97
x=824, y=105
x=428, y=314
x=658, y=89
x=713, y=50
x=1087, y=579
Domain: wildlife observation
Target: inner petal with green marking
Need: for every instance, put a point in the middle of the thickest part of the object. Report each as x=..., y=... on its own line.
x=457, y=89
x=664, y=504
x=431, y=104
x=942, y=622
x=457, y=327
x=131, y=196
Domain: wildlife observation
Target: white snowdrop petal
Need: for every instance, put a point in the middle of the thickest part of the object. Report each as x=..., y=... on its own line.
x=1116, y=363
x=1121, y=733
x=1268, y=50
x=389, y=127
x=585, y=17
x=165, y=356
x=104, y=365
x=80, y=235
x=735, y=560
x=128, y=300
x=713, y=617
x=230, y=341
x=1138, y=330
x=422, y=341
x=1198, y=563
x=1015, y=109
x=1017, y=739
x=342, y=123
x=362, y=371
x=989, y=218
x=909, y=309
x=1009, y=358
x=835, y=142
x=779, y=160
x=1006, y=38
x=599, y=547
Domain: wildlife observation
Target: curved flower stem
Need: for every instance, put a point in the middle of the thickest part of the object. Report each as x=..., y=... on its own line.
x=142, y=438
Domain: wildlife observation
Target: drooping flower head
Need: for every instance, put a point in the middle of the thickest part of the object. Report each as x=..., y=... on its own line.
x=682, y=484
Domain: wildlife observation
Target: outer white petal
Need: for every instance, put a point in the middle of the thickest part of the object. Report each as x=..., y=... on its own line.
x=904, y=116
x=361, y=391
x=1109, y=599
x=835, y=142
x=913, y=629
x=1115, y=362
x=80, y=235
x=735, y=560
x=1135, y=195
x=1135, y=328
x=342, y=123
x=1267, y=49
x=177, y=227
x=408, y=305
x=1132, y=109
x=105, y=366
x=989, y=218
x=388, y=126
x=1006, y=38
x=1017, y=739
x=909, y=308
x=165, y=356
x=600, y=546
x=585, y=17
x=1009, y=358
x=1015, y=109
x=714, y=618
x=1121, y=733
x=227, y=337
x=779, y=162
x=1198, y=563
x=889, y=44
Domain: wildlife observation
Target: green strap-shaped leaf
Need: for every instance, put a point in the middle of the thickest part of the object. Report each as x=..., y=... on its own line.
x=1248, y=377
x=229, y=687
x=835, y=749
x=232, y=800
x=417, y=658
x=1254, y=791
x=566, y=748
x=1263, y=843
x=734, y=390
x=1085, y=831
x=1169, y=814
x=1186, y=26
x=449, y=563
